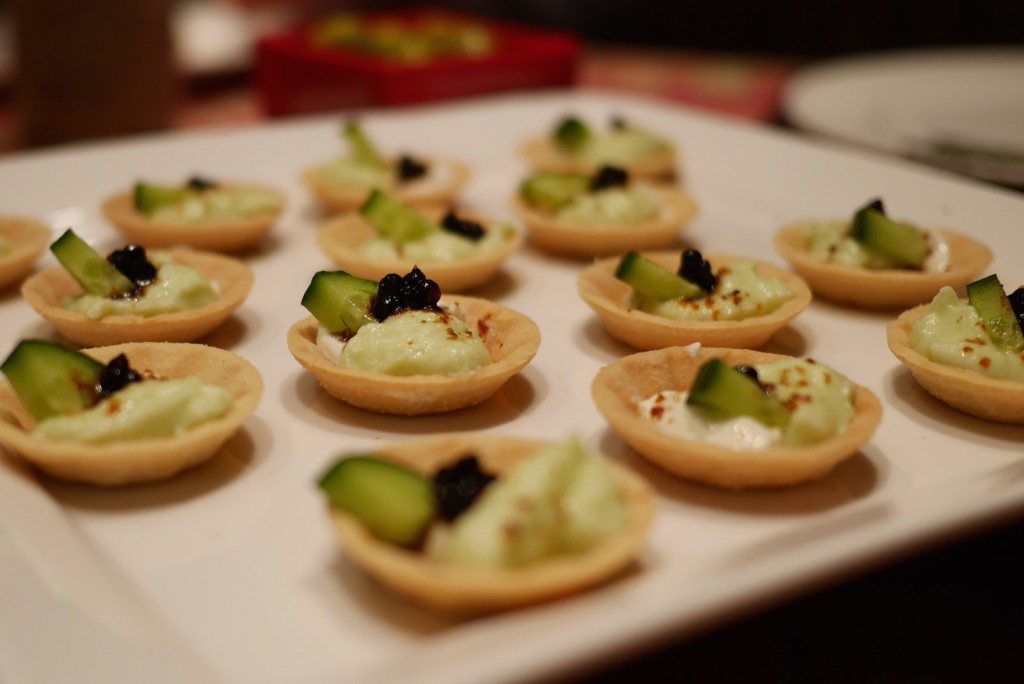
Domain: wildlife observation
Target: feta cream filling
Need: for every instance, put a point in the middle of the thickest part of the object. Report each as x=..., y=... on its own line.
x=228, y=202
x=829, y=241
x=438, y=246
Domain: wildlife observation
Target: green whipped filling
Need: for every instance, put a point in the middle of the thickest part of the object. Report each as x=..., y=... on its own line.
x=950, y=332
x=151, y=408
x=741, y=293
x=416, y=343
x=612, y=205
x=439, y=245
x=819, y=398
x=6, y=246
x=830, y=241
x=620, y=147
x=357, y=172
x=177, y=288
x=228, y=202
x=562, y=500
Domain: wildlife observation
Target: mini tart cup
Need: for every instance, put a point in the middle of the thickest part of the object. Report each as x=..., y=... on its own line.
x=341, y=237
x=583, y=240
x=460, y=590
x=30, y=239
x=607, y=296
x=619, y=388
x=420, y=192
x=232, y=279
x=511, y=338
x=221, y=235
x=140, y=460
x=880, y=289
x=993, y=399
x=541, y=154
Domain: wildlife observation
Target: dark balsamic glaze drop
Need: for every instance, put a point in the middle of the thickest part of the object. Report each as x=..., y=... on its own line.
x=458, y=486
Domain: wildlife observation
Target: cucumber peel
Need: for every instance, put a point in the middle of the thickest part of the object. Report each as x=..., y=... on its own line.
x=721, y=392
x=653, y=281
x=901, y=242
x=552, y=190
x=394, y=220
x=360, y=146
x=340, y=302
x=394, y=503
x=50, y=379
x=150, y=197
x=571, y=134
x=988, y=298
x=95, y=274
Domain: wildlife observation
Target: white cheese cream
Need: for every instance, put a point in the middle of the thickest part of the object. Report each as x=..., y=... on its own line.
x=668, y=411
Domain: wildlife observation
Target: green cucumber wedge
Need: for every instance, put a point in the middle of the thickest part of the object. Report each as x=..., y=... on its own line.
x=651, y=280
x=340, y=302
x=360, y=146
x=96, y=275
x=394, y=220
x=552, y=190
x=51, y=380
x=993, y=306
x=394, y=503
x=571, y=134
x=722, y=392
x=901, y=242
x=150, y=197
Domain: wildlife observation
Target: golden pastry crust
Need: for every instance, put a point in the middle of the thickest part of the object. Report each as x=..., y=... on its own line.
x=460, y=590
x=221, y=235
x=140, y=460
x=232, y=279
x=584, y=240
x=993, y=399
x=30, y=239
x=607, y=296
x=543, y=155
x=511, y=338
x=619, y=388
x=887, y=288
x=423, y=192
x=341, y=237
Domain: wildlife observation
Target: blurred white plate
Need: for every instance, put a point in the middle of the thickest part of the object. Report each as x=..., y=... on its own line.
x=960, y=108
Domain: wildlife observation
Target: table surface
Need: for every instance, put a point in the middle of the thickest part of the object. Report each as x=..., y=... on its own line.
x=946, y=614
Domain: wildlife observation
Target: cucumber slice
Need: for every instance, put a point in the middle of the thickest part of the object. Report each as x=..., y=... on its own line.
x=722, y=392
x=994, y=308
x=551, y=190
x=394, y=503
x=651, y=280
x=571, y=134
x=901, y=242
x=96, y=275
x=395, y=220
x=150, y=197
x=51, y=380
x=340, y=302
x=360, y=146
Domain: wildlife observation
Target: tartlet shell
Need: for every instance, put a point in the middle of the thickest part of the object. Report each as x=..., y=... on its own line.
x=619, y=388
x=993, y=399
x=341, y=237
x=880, y=289
x=607, y=296
x=224, y=235
x=415, y=193
x=232, y=279
x=512, y=340
x=454, y=590
x=140, y=460
x=541, y=154
x=30, y=238
x=584, y=240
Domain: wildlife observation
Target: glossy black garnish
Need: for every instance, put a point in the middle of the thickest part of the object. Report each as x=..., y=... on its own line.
x=695, y=268
x=115, y=376
x=464, y=227
x=609, y=177
x=457, y=486
x=132, y=261
x=750, y=372
x=1017, y=302
x=200, y=183
x=412, y=291
x=410, y=169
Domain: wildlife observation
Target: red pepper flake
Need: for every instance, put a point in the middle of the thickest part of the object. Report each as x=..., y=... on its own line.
x=967, y=350
x=657, y=411
x=985, y=362
x=113, y=405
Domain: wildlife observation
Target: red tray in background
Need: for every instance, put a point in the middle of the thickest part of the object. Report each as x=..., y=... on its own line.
x=295, y=76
